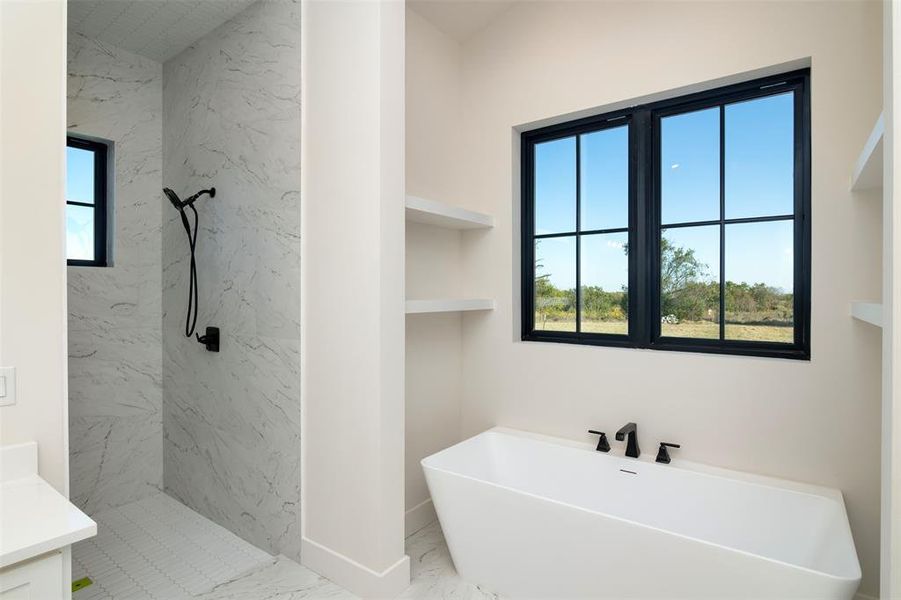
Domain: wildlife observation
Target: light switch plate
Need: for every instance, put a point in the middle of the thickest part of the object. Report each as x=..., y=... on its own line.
x=7, y=386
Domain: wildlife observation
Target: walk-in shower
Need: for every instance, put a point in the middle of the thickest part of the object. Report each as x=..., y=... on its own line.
x=188, y=460
x=211, y=338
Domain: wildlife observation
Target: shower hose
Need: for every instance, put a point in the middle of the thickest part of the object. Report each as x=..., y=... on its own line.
x=191, y=318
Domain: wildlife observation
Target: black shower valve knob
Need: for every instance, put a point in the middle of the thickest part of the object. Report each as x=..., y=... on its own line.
x=210, y=339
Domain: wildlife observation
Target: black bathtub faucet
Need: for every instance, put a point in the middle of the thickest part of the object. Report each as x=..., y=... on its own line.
x=630, y=429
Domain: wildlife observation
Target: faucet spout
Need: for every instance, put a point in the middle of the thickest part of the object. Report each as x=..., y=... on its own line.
x=630, y=429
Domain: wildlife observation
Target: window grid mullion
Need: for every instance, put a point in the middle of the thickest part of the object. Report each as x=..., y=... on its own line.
x=722, y=311
x=542, y=236
x=578, y=234
x=636, y=329
x=735, y=221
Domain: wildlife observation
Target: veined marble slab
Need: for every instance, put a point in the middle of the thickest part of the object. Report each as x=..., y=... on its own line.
x=432, y=572
x=283, y=579
x=115, y=313
x=158, y=549
x=231, y=105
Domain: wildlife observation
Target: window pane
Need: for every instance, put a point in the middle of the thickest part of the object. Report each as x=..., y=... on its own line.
x=79, y=232
x=760, y=281
x=760, y=157
x=605, y=179
x=605, y=283
x=689, y=282
x=690, y=167
x=79, y=175
x=555, y=186
x=555, y=284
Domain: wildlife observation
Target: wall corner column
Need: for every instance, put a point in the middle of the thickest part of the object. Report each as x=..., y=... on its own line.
x=352, y=294
x=890, y=567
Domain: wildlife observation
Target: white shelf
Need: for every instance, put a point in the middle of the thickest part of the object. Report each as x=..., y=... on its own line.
x=867, y=173
x=448, y=305
x=870, y=312
x=432, y=212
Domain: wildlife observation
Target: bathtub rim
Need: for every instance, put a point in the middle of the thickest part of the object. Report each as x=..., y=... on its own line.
x=692, y=467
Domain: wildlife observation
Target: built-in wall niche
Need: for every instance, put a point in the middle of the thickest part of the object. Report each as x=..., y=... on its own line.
x=439, y=214
x=867, y=177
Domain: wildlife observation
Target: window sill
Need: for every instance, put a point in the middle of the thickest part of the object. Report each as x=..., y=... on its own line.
x=785, y=351
x=84, y=263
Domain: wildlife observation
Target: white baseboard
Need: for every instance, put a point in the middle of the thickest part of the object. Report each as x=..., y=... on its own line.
x=356, y=578
x=419, y=516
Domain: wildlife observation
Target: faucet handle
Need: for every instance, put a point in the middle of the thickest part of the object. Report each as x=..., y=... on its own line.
x=603, y=444
x=663, y=454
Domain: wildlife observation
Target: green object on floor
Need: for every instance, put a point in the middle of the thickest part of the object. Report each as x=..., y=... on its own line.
x=81, y=583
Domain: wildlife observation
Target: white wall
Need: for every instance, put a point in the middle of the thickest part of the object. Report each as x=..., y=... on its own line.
x=814, y=421
x=352, y=304
x=115, y=347
x=433, y=255
x=433, y=360
x=434, y=139
x=32, y=251
x=32, y=238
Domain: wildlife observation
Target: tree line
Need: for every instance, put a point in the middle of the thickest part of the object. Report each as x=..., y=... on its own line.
x=687, y=294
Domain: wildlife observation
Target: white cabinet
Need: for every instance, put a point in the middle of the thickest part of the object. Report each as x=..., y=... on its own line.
x=40, y=578
x=36, y=524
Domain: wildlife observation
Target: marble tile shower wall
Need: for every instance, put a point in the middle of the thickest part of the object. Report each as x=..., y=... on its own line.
x=231, y=420
x=115, y=342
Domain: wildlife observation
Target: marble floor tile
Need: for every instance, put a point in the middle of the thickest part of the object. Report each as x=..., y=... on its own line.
x=283, y=579
x=432, y=571
x=158, y=549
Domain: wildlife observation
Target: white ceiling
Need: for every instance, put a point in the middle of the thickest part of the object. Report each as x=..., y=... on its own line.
x=460, y=19
x=157, y=29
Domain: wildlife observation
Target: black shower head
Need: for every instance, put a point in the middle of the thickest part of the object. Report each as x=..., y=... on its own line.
x=173, y=198
x=179, y=204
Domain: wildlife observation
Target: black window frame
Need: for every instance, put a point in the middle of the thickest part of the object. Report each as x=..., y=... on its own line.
x=100, y=151
x=644, y=228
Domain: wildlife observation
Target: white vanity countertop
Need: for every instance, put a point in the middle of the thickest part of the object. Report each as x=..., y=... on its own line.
x=34, y=517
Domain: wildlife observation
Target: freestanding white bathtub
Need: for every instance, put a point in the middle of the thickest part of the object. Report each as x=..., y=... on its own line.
x=530, y=516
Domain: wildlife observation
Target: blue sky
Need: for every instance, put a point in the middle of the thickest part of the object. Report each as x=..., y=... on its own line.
x=759, y=143
x=79, y=188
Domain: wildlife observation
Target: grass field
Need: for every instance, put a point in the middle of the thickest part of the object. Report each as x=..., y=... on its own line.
x=685, y=329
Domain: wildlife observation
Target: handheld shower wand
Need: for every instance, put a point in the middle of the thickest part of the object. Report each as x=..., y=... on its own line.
x=181, y=204
x=211, y=339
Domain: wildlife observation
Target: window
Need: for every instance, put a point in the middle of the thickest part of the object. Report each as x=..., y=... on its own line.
x=678, y=225
x=86, y=190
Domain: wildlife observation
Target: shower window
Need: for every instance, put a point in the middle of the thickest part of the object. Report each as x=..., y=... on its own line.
x=86, y=202
x=678, y=225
